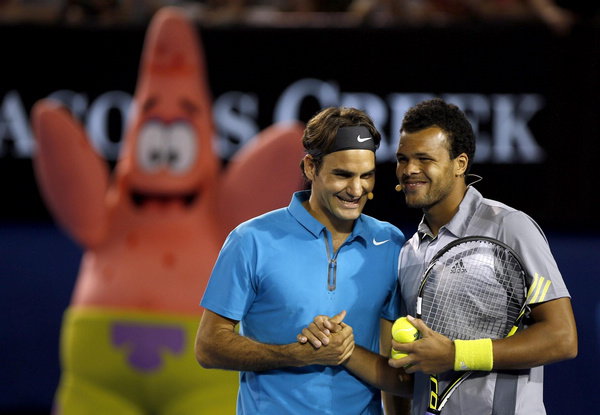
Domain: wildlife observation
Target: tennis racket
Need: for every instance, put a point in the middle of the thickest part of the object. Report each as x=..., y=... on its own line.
x=474, y=288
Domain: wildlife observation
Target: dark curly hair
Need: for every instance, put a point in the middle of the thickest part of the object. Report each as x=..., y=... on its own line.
x=321, y=131
x=447, y=117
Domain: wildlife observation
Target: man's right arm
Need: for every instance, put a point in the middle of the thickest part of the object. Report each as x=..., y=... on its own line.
x=218, y=346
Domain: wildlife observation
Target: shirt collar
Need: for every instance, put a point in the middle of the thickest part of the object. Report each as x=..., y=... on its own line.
x=459, y=223
x=313, y=225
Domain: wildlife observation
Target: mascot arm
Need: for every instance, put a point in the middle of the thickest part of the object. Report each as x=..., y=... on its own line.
x=262, y=175
x=71, y=176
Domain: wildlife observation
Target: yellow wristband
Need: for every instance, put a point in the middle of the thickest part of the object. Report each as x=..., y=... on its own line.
x=473, y=355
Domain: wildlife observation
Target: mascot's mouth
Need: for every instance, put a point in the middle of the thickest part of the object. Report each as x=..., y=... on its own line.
x=141, y=199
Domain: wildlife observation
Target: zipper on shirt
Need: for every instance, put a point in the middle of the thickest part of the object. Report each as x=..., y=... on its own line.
x=331, y=266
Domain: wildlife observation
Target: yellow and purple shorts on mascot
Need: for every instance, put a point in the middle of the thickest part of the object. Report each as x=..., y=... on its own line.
x=141, y=364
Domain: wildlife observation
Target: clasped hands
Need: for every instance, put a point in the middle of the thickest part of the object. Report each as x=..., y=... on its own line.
x=332, y=332
x=432, y=353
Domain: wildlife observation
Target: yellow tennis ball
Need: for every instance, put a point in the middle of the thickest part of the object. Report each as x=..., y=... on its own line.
x=397, y=355
x=403, y=331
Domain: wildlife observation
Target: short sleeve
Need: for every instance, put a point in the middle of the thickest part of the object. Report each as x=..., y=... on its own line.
x=521, y=232
x=230, y=290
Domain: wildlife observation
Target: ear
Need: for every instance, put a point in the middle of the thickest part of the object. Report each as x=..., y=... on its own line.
x=309, y=167
x=461, y=162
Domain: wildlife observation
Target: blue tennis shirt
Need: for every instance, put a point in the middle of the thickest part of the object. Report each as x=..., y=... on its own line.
x=273, y=275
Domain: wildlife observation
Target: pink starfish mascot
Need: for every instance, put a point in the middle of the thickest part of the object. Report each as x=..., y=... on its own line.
x=151, y=231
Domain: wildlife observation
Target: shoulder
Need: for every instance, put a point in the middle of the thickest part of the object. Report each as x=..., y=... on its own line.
x=261, y=223
x=510, y=223
x=381, y=230
x=494, y=208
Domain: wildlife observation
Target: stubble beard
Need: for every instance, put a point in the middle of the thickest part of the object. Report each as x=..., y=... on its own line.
x=421, y=203
x=427, y=201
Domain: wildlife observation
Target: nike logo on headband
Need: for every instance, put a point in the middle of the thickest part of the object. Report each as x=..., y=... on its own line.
x=357, y=137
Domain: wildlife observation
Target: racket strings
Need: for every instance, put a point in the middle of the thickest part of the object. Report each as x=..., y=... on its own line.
x=473, y=291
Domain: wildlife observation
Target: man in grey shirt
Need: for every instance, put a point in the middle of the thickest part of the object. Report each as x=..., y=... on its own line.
x=435, y=152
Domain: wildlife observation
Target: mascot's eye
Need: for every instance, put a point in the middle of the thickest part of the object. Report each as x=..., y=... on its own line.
x=182, y=148
x=152, y=146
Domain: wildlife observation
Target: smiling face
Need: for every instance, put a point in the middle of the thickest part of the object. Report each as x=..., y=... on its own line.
x=340, y=187
x=426, y=172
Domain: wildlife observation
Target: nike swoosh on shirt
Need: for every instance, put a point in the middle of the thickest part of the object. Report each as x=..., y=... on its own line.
x=362, y=140
x=376, y=243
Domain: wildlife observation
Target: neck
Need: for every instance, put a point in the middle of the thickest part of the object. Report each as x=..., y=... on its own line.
x=443, y=212
x=339, y=229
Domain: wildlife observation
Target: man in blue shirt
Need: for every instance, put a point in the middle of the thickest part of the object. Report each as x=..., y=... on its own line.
x=318, y=256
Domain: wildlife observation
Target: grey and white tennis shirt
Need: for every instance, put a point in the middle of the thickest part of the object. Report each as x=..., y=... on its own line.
x=496, y=392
